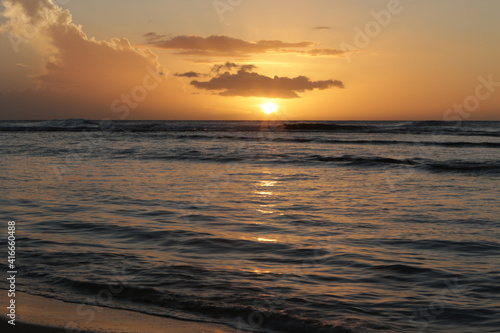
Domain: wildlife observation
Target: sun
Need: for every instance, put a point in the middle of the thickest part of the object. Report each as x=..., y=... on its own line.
x=269, y=107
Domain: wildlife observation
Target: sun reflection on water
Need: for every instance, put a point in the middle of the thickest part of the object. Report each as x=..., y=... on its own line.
x=268, y=240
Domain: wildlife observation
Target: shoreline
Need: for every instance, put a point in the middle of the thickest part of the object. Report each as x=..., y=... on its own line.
x=46, y=315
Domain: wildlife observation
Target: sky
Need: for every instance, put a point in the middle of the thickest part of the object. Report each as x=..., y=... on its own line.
x=224, y=59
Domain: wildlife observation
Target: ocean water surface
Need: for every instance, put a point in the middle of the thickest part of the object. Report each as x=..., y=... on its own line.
x=265, y=226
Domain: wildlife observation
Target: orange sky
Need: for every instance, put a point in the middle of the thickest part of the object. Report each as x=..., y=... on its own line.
x=316, y=60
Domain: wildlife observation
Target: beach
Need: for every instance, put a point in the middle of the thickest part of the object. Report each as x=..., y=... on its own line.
x=37, y=314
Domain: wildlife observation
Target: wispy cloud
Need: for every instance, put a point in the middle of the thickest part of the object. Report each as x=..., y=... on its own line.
x=153, y=37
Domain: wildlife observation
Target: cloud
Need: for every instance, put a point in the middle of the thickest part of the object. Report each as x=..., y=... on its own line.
x=223, y=46
x=153, y=37
x=322, y=28
x=244, y=82
x=34, y=10
x=321, y=52
x=76, y=67
x=189, y=74
x=229, y=66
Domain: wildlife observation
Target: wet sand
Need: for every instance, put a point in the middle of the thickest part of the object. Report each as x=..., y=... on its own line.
x=35, y=314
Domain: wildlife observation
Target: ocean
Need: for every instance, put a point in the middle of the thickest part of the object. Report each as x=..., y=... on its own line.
x=267, y=226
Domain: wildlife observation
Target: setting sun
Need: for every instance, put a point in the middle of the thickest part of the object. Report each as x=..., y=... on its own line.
x=269, y=107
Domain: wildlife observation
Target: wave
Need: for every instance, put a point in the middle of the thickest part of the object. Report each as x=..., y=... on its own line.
x=79, y=125
x=489, y=167
x=67, y=123
x=153, y=301
x=450, y=144
x=320, y=127
x=420, y=127
x=165, y=291
x=453, y=166
x=485, y=248
x=435, y=128
x=426, y=123
x=363, y=161
x=237, y=156
x=50, y=125
x=461, y=144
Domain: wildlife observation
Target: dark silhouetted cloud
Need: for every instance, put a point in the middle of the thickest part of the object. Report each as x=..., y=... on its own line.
x=189, y=74
x=240, y=80
x=228, y=66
